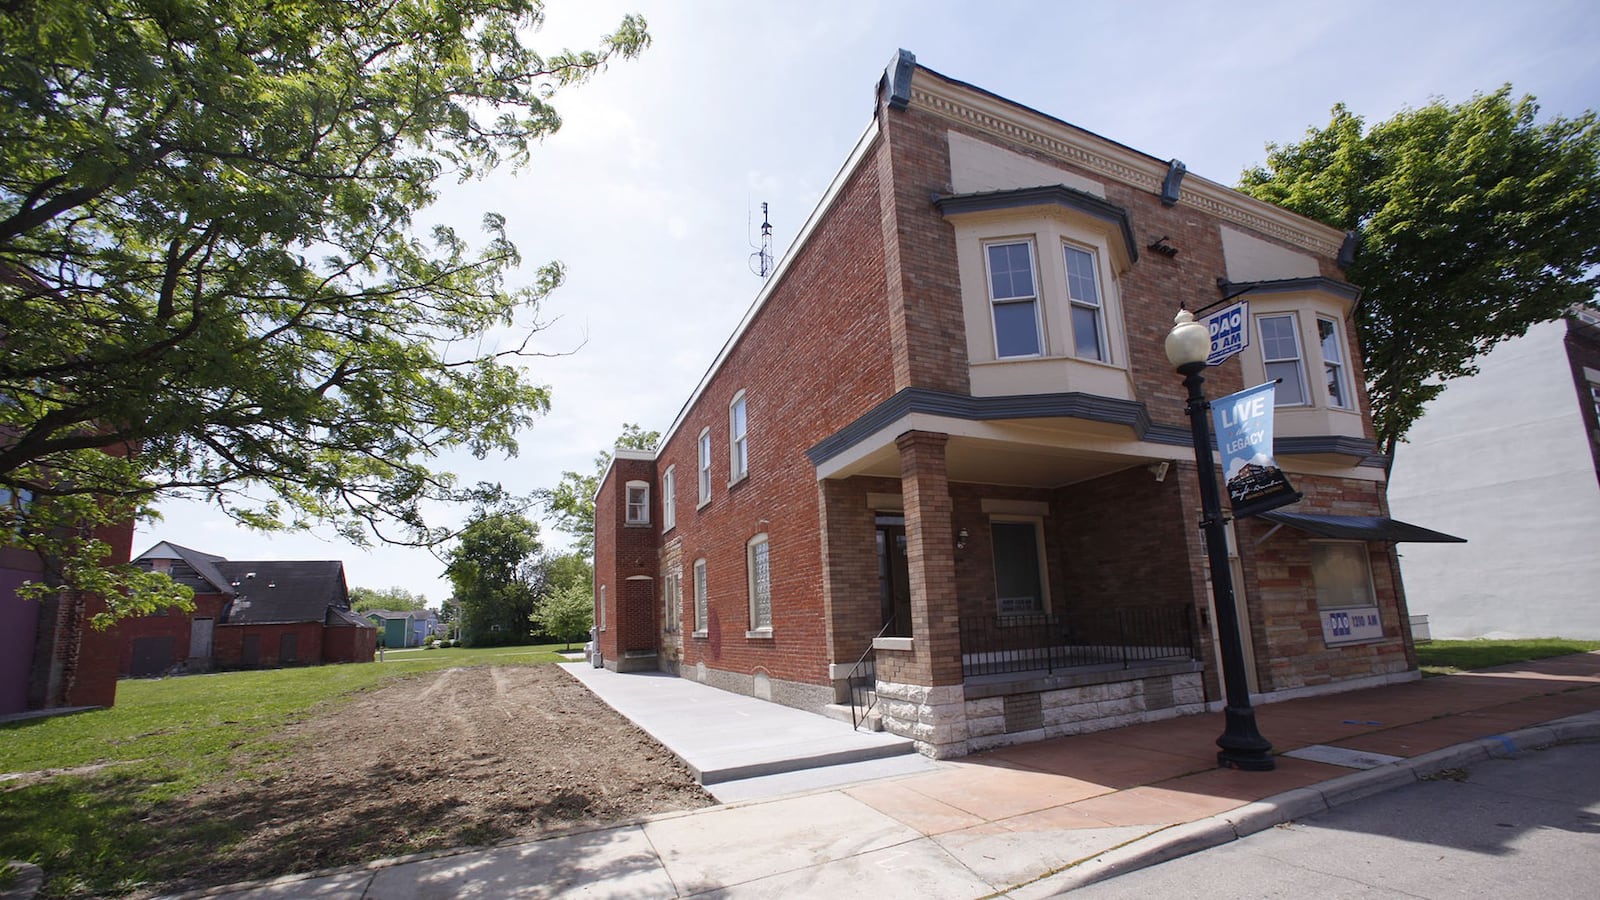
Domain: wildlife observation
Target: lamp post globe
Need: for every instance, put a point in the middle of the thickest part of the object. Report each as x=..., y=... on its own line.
x=1241, y=744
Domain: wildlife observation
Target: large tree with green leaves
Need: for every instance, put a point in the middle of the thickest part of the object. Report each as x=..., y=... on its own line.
x=210, y=265
x=397, y=599
x=492, y=570
x=571, y=501
x=1475, y=221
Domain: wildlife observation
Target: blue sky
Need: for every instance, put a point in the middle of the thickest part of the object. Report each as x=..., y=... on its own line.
x=650, y=194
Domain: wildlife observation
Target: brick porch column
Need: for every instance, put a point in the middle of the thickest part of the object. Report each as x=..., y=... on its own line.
x=921, y=688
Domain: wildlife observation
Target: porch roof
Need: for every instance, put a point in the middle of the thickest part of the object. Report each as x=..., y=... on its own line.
x=1360, y=528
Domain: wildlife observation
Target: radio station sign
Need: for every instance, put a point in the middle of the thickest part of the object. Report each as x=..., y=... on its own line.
x=1230, y=331
x=1347, y=626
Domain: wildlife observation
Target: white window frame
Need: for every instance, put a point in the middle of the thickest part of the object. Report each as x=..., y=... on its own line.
x=638, y=512
x=672, y=599
x=1299, y=360
x=1095, y=305
x=1334, y=368
x=602, y=607
x=702, y=613
x=995, y=303
x=759, y=546
x=669, y=499
x=1040, y=557
x=738, y=438
x=703, y=450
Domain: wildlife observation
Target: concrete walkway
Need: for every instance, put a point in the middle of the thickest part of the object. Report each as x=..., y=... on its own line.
x=1023, y=822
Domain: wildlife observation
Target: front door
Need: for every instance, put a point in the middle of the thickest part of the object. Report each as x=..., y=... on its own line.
x=894, y=576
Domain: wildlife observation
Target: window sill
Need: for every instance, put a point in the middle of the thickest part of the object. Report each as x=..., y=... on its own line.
x=702, y=634
x=893, y=643
x=760, y=634
x=635, y=524
x=703, y=504
x=734, y=482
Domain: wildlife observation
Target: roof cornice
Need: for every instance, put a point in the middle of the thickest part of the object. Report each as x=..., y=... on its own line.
x=982, y=111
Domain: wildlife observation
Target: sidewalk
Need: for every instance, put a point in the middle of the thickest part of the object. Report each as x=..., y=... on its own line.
x=1027, y=821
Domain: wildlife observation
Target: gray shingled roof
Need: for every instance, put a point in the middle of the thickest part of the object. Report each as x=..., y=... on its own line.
x=203, y=564
x=284, y=591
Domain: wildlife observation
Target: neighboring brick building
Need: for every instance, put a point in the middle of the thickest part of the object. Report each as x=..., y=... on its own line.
x=262, y=614
x=1510, y=459
x=945, y=437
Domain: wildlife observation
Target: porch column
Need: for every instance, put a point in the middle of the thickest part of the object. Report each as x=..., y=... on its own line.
x=921, y=688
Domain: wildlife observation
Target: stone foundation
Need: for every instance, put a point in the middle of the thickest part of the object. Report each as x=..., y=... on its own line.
x=809, y=697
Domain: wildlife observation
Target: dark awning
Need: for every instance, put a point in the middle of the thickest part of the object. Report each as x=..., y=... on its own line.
x=1360, y=528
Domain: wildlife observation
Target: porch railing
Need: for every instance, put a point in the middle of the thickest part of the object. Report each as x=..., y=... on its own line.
x=863, y=681
x=996, y=645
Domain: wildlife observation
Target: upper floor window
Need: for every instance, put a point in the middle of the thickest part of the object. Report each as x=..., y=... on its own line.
x=760, y=574
x=1280, y=351
x=669, y=497
x=1083, y=292
x=1333, y=366
x=638, y=503
x=1014, y=298
x=701, y=613
x=705, y=466
x=738, y=439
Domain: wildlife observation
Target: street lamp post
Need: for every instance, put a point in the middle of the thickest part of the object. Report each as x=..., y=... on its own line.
x=1242, y=746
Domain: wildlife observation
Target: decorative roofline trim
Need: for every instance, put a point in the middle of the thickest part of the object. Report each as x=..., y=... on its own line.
x=1054, y=194
x=1344, y=290
x=1073, y=405
x=982, y=111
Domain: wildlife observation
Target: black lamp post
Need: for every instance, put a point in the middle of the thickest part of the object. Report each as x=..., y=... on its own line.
x=1243, y=747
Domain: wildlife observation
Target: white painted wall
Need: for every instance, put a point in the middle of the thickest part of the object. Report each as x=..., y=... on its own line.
x=1502, y=460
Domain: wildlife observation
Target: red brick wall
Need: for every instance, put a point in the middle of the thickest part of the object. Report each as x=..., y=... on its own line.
x=348, y=643
x=228, y=644
x=813, y=359
x=625, y=558
x=175, y=624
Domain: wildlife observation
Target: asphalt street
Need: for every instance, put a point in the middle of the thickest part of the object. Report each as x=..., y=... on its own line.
x=1505, y=828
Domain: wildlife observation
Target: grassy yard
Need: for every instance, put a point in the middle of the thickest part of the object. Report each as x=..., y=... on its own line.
x=165, y=738
x=1447, y=657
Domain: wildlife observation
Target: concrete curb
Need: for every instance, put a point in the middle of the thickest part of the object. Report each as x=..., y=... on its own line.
x=1214, y=831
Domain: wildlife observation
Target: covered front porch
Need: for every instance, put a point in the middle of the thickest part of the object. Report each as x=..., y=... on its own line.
x=1008, y=587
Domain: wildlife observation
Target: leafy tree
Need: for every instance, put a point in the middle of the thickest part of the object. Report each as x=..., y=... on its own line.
x=492, y=573
x=399, y=599
x=571, y=501
x=565, y=613
x=555, y=573
x=209, y=266
x=1475, y=222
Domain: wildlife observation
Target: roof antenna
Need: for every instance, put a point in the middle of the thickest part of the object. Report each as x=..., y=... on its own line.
x=761, y=260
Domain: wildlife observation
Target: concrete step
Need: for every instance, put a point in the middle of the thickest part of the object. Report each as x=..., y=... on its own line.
x=843, y=712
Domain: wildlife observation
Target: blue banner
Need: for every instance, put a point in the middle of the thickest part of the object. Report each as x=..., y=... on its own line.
x=1244, y=437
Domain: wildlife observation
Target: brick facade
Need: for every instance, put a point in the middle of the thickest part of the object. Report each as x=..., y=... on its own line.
x=855, y=369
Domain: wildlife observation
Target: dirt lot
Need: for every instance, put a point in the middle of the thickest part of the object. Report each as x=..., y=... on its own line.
x=447, y=759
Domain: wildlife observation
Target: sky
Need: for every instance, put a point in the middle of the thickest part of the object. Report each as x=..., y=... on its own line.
x=651, y=192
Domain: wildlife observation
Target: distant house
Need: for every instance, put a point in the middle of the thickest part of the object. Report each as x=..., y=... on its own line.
x=253, y=614
x=399, y=628
x=1510, y=459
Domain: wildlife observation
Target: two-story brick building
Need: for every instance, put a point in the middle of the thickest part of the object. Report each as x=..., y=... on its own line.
x=944, y=452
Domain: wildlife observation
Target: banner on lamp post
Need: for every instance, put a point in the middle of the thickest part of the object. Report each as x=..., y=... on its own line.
x=1244, y=437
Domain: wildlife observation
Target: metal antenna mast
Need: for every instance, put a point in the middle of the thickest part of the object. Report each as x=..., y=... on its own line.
x=761, y=260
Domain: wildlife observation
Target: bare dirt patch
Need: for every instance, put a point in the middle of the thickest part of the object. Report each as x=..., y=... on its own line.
x=459, y=757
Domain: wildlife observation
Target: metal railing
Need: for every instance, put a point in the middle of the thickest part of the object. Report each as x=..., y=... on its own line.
x=862, y=681
x=995, y=645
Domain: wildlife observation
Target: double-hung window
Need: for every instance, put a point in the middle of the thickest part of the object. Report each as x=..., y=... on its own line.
x=705, y=466
x=701, y=613
x=1083, y=293
x=1280, y=352
x=1014, y=298
x=638, y=503
x=669, y=497
x=760, y=573
x=738, y=439
x=1333, y=366
x=673, y=593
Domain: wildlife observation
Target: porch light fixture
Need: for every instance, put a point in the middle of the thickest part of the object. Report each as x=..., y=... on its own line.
x=1242, y=746
x=961, y=539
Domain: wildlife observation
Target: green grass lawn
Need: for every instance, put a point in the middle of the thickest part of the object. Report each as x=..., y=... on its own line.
x=164, y=738
x=1447, y=657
